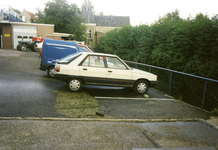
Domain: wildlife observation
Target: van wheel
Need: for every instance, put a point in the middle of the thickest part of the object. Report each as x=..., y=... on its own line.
x=23, y=47
x=141, y=87
x=74, y=85
x=50, y=72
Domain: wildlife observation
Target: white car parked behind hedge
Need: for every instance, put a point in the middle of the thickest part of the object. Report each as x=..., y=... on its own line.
x=101, y=69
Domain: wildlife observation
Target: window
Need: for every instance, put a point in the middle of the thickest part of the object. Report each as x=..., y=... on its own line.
x=94, y=61
x=89, y=34
x=113, y=62
x=69, y=58
x=20, y=37
x=25, y=37
x=6, y=16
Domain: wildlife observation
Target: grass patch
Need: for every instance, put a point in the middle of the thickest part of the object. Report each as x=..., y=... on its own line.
x=76, y=104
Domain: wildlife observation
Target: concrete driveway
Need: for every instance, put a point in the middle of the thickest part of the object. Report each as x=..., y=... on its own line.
x=48, y=134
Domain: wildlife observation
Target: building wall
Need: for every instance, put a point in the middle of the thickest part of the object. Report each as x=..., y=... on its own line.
x=97, y=31
x=98, y=35
x=44, y=30
x=101, y=31
x=6, y=35
x=104, y=30
x=91, y=42
x=27, y=17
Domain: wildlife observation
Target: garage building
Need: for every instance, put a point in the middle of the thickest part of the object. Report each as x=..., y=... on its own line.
x=12, y=32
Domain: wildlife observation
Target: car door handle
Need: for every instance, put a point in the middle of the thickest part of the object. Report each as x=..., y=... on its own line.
x=110, y=71
x=85, y=69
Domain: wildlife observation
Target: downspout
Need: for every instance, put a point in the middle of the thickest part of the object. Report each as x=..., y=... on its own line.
x=88, y=27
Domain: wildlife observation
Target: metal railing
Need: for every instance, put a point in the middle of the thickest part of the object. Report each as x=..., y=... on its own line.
x=195, y=90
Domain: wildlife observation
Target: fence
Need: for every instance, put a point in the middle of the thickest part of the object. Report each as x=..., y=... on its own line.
x=195, y=90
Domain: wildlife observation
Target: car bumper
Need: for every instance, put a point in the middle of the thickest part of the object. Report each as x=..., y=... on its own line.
x=61, y=77
x=44, y=67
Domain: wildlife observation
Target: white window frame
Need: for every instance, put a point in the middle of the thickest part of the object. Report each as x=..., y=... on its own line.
x=89, y=34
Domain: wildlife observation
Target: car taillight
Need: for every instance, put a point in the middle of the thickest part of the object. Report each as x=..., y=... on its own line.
x=57, y=69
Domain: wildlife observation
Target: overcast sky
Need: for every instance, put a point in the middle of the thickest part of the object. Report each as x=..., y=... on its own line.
x=140, y=11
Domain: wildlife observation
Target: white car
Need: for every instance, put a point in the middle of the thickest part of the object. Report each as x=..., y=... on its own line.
x=101, y=69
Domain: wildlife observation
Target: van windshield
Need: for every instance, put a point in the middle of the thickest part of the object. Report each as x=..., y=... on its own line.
x=68, y=58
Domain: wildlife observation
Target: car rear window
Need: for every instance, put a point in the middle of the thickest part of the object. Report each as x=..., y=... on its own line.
x=68, y=58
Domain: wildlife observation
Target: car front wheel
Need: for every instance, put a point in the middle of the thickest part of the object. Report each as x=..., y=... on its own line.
x=74, y=85
x=141, y=87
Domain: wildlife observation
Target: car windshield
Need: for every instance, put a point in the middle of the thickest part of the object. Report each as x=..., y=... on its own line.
x=68, y=58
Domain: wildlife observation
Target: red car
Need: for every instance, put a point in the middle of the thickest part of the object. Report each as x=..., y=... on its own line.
x=85, y=48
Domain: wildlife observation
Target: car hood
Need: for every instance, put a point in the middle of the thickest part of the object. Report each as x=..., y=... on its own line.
x=136, y=74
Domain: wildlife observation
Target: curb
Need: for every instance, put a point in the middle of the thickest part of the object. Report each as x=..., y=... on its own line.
x=125, y=98
x=208, y=124
x=114, y=120
x=97, y=119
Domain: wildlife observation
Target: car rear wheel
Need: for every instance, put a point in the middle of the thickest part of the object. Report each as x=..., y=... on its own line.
x=141, y=87
x=50, y=72
x=74, y=85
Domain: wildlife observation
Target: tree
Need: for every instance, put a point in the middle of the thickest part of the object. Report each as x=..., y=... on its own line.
x=32, y=20
x=87, y=6
x=187, y=45
x=39, y=15
x=64, y=17
x=101, y=13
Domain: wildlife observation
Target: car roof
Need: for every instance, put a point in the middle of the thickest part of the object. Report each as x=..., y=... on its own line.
x=60, y=42
x=102, y=54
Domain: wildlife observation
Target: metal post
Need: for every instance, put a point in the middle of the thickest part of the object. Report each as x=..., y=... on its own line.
x=170, y=82
x=136, y=66
x=205, y=88
x=150, y=69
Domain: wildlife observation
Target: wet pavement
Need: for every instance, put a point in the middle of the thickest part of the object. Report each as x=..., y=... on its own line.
x=104, y=91
x=149, y=109
x=25, y=91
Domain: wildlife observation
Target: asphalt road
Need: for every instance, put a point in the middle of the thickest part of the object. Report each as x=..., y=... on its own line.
x=26, y=91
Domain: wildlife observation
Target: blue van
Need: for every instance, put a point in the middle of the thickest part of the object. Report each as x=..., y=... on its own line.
x=53, y=50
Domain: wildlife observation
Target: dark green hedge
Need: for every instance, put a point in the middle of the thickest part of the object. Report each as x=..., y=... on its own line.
x=187, y=45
